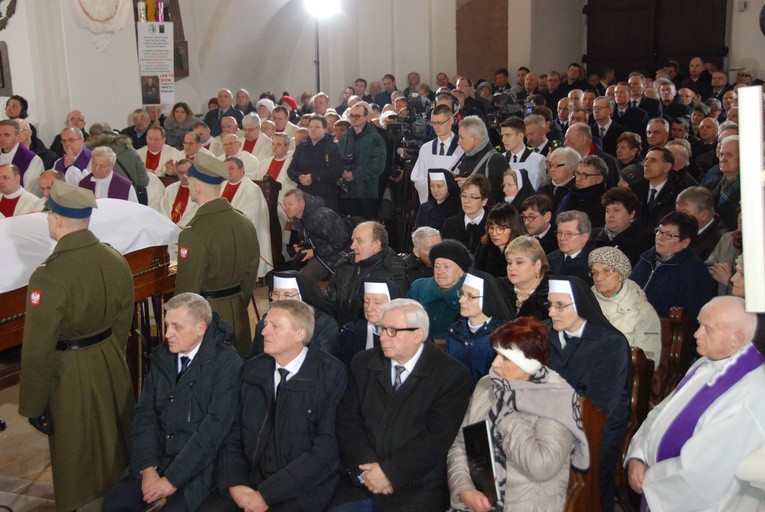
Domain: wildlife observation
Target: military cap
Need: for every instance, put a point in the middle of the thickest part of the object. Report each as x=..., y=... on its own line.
x=71, y=201
x=208, y=169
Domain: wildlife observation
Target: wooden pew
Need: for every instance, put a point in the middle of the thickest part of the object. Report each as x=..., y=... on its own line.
x=583, y=493
x=678, y=348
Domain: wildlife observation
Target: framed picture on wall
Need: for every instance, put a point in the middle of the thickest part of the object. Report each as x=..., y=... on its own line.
x=6, y=88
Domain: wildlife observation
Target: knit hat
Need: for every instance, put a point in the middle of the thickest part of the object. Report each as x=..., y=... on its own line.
x=454, y=251
x=265, y=102
x=290, y=101
x=611, y=257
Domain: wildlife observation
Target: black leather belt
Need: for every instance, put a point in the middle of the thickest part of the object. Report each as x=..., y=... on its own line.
x=84, y=342
x=220, y=294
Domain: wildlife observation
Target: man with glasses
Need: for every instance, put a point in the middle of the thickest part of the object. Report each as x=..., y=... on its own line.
x=561, y=166
x=440, y=153
x=75, y=118
x=403, y=407
x=607, y=129
x=588, y=187
x=574, y=247
x=536, y=213
x=579, y=137
x=671, y=273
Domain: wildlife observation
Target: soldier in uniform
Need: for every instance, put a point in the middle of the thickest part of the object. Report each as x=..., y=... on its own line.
x=218, y=251
x=75, y=384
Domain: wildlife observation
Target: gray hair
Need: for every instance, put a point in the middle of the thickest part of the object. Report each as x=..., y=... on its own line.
x=301, y=316
x=583, y=221
x=101, y=128
x=416, y=316
x=107, y=152
x=570, y=156
x=198, y=309
x=13, y=124
x=474, y=125
x=700, y=197
x=534, y=119
x=251, y=119
x=419, y=235
x=661, y=121
x=286, y=138
x=596, y=163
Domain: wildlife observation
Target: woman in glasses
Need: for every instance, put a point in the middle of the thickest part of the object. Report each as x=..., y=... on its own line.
x=503, y=224
x=623, y=302
x=524, y=288
x=531, y=415
x=467, y=226
x=482, y=311
x=290, y=285
x=594, y=358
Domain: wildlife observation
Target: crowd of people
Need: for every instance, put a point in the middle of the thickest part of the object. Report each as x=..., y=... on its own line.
x=540, y=252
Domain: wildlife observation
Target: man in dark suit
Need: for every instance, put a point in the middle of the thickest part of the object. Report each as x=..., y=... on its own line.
x=634, y=119
x=403, y=407
x=608, y=130
x=659, y=187
x=638, y=99
x=226, y=108
x=699, y=202
x=137, y=132
x=574, y=247
x=536, y=213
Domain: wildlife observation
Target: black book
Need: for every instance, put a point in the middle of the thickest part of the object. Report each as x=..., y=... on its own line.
x=479, y=448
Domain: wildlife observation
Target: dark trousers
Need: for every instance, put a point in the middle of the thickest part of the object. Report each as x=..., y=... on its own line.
x=218, y=503
x=364, y=208
x=126, y=496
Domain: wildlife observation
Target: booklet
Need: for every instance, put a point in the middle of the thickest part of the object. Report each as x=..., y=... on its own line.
x=479, y=447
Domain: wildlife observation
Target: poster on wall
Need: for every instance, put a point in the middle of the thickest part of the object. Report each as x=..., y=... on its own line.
x=155, y=60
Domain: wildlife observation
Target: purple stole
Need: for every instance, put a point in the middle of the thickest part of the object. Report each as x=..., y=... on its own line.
x=81, y=162
x=23, y=158
x=119, y=188
x=682, y=427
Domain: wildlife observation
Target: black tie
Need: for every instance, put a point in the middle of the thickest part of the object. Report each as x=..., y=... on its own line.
x=185, y=360
x=566, y=258
x=515, y=158
x=397, y=381
x=634, y=103
x=442, y=149
x=283, y=372
x=651, y=196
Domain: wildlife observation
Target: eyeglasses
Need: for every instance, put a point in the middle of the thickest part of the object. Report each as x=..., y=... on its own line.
x=666, y=235
x=497, y=228
x=555, y=166
x=75, y=119
x=744, y=75
x=472, y=198
x=599, y=108
x=392, y=331
x=584, y=175
x=441, y=123
x=467, y=296
x=608, y=272
x=566, y=234
x=557, y=306
x=283, y=296
x=355, y=116
x=529, y=218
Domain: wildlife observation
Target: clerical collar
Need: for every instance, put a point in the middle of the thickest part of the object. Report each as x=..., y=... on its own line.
x=14, y=195
x=107, y=178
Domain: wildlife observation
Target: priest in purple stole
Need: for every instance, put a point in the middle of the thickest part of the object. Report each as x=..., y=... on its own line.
x=684, y=456
x=103, y=181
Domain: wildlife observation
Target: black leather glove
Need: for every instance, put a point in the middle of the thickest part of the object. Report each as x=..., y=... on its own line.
x=42, y=424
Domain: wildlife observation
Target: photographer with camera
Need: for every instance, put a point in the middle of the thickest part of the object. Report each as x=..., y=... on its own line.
x=364, y=154
x=317, y=165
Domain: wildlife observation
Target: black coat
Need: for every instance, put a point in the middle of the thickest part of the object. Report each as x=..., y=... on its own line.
x=633, y=241
x=651, y=105
x=325, y=165
x=706, y=242
x=415, y=268
x=323, y=229
x=574, y=266
x=306, y=441
x=454, y=229
x=408, y=432
x=555, y=193
x=585, y=200
x=353, y=339
x=633, y=119
x=490, y=259
x=534, y=305
x=178, y=427
x=345, y=293
x=662, y=204
x=608, y=142
x=212, y=119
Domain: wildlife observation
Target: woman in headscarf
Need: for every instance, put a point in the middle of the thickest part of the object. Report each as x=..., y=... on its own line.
x=503, y=224
x=533, y=418
x=594, y=358
x=482, y=311
x=358, y=335
x=524, y=286
x=623, y=302
x=443, y=200
x=290, y=285
x=516, y=186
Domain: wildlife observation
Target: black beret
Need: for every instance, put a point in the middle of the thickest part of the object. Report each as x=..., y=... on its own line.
x=454, y=251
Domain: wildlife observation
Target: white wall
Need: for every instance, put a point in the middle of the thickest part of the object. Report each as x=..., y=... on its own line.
x=747, y=43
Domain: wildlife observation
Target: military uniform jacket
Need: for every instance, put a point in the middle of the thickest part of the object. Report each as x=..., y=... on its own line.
x=218, y=250
x=82, y=289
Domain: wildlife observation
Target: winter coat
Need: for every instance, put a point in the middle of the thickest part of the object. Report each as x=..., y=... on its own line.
x=369, y=153
x=631, y=313
x=537, y=449
x=682, y=281
x=533, y=306
x=178, y=426
x=345, y=293
x=175, y=131
x=442, y=305
x=324, y=163
x=305, y=437
x=633, y=241
x=323, y=229
x=473, y=349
